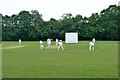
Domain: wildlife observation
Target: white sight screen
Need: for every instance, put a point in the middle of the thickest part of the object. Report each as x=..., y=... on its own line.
x=71, y=37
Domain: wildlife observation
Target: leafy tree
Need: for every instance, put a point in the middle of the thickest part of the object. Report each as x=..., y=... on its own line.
x=30, y=25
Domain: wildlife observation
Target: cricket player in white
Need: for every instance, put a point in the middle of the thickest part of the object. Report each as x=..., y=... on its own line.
x=60, y=45
x=19, y=41
x=56, y=42
x=49, y=42
x=93, y=40
x=91, y=45
x=41, y=45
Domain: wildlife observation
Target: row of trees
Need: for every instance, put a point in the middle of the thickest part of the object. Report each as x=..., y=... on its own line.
x=30, y=26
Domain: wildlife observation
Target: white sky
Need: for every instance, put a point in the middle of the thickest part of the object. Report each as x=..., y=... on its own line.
x=55, y=8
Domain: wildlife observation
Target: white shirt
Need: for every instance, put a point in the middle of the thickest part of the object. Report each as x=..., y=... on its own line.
x=91, y=44
x=41, y=43
x=49, y=41
x=60, y=42
x=56, y=40
x=20, y=40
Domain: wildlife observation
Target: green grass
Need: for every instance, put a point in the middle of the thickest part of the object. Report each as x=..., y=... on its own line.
x=76, y=61
x=0, y=61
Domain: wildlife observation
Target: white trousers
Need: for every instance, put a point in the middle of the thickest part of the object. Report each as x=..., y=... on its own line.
x=19, y=43
x=91, y=47
x=41, y=46
x=61, y=47
x=49, y=45
x=56, y=44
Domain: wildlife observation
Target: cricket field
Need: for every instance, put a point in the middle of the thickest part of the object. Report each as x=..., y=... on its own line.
x=76, y=61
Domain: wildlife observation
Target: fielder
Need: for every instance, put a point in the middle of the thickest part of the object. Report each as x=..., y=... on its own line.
x=60, y=45
x=91, y=45
x=19, y=41
x=56, y=42
x=41, y=45
x=93, y=40
x=49, y=42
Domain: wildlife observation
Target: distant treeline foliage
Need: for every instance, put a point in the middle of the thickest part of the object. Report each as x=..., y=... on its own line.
x=30, y=26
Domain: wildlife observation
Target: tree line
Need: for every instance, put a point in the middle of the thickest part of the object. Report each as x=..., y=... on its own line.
x=29, y=25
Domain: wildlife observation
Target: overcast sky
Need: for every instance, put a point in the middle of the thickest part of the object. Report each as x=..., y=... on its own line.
x=55, y=8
